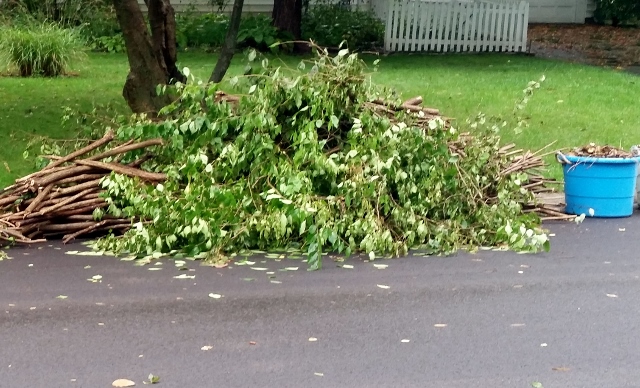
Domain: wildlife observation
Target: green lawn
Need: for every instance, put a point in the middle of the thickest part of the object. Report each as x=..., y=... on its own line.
x=577, y=104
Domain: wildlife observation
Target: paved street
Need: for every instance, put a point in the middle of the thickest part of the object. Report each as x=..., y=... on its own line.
x=568, y=318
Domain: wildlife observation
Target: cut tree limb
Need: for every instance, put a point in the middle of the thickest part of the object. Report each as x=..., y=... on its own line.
x=122, y=169
x=36, y=202
x=82, y=151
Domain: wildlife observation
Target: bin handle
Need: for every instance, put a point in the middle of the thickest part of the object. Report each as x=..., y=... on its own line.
x=561, y=158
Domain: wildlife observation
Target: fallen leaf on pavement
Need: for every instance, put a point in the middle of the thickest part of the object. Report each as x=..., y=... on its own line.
x=312, y=339
x=252, y=342
x=405, y=341
x=440, y=325
x=184, y=276
x=215, y=296
x=123, y=383
x=152, y=379
x=259, y=269
x=95, y=278
x=319, y=374
x=543, y=345
x=517, y=324
x=347, y=266
x=380, y=266
x=207, y=347
x=612, y=295
x=621, y=229
x=560, y=369
x=383, y=286
x=61, y=297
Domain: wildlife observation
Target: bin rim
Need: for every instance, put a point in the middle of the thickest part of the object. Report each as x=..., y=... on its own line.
x=571, y=159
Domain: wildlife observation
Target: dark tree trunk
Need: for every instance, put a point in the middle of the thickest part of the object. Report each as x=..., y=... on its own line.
x=229, y=47
x=287, y=16
x=162, y=19
x=150, y=64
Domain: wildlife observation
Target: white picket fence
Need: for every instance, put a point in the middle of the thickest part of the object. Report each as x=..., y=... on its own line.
x=458, y=25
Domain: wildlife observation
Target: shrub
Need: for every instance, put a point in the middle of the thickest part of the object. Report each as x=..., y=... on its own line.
x=201, y=30
x=39, y=49
x=617, y=11
x=330, y=24
x=209, y=31
x=69, y=13
x=109, y=43
x=258, y=32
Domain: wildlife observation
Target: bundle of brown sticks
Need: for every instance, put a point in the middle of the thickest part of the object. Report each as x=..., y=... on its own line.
x=60, y=199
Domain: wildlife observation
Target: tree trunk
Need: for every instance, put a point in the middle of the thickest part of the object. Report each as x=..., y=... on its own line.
x=229, y=47
x=287, y=16
x=162, y=19
x=149, y=65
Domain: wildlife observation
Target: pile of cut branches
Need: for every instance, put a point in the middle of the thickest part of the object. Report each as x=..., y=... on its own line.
x=63, y=198
x=318, y=161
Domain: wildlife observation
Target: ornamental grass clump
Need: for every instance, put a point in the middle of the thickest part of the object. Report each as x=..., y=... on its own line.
x=39, y=49
x=308, y=160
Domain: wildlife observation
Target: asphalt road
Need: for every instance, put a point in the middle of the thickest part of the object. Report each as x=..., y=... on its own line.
x=568, y=318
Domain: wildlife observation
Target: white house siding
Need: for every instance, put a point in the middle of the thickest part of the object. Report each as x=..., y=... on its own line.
x=560, y=11
x=540, y=11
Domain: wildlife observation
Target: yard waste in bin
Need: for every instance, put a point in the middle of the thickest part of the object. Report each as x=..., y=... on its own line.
x=599, y=186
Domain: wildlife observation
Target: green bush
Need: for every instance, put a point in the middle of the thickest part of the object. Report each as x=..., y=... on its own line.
x=617, y=11
x=209, y=31
x=108, y=43
x=69, y=13
x=201, y=30
x=330, y=24
x=39, y=49
x=257, y=31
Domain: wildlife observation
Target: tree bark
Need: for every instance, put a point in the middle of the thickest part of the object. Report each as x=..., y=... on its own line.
x=162, y=19
x=229, y=47
x=150, y=64
x=287, y=16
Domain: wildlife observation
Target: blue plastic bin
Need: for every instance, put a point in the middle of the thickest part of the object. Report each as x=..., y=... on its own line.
x=606, y=185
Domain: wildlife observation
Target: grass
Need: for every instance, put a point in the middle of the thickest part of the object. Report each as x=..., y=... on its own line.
x=576, y=105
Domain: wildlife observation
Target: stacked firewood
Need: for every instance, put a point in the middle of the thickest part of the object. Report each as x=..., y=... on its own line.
x=60, y=199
